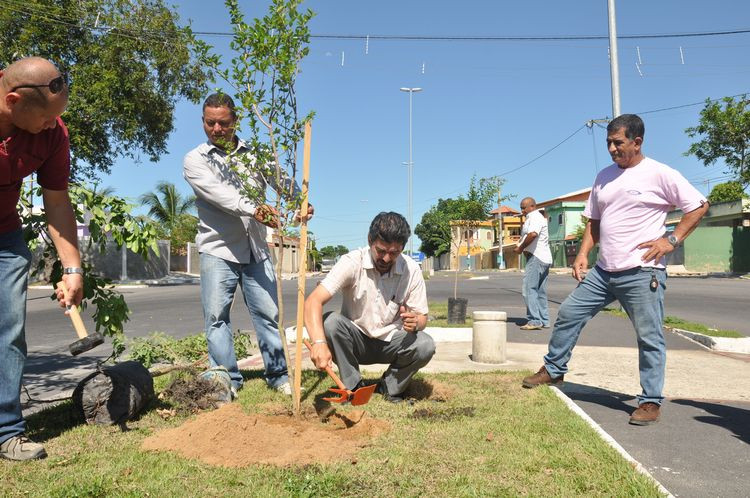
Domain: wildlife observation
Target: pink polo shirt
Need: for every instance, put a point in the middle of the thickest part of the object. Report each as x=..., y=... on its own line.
x=631, y=205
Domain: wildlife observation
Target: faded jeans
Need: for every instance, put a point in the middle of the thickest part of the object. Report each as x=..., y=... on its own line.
x=15, y=260
x=535, y=291
x=219, y=279
x=644, y=306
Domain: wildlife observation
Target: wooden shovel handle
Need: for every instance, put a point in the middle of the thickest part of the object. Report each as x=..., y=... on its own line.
x=75, y=316
x=329, y=370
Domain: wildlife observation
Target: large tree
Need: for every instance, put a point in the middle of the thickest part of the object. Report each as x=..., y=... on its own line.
x=127, y=61
x=724, y=129
x=173, y=212
x=167, y=205
x=434, y=229
x=727, y=192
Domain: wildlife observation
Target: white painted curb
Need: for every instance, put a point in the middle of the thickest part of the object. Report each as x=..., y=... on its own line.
x=609, y=439
x=724, y=344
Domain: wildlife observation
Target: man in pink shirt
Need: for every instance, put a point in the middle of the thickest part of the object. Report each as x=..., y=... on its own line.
x=626, y=212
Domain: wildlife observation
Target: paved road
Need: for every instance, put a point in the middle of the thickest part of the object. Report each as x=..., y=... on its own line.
x=699, y=448
x=176, y=310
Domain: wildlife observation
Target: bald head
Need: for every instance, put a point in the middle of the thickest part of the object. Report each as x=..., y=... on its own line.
x=528, y=202
x=28, y=77
x=33, y=95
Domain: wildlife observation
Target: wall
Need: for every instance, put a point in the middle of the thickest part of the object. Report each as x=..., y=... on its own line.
x=109, y=264
x=741, y=249
x=709, y=249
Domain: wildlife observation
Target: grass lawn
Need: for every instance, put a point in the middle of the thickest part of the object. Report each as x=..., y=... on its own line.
x=679, y=323
x=439, y=316
x=489, y=437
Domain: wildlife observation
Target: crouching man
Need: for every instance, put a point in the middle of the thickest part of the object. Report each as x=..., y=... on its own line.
x=383, y=314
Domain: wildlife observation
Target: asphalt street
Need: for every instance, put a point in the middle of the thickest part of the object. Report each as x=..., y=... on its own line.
x=176, y=310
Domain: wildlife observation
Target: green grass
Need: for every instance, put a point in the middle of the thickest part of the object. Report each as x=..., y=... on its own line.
x=489, y=438
x=439, y=316
x=679, y=323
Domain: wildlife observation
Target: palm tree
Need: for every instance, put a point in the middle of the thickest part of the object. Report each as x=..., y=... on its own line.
x=166, y=205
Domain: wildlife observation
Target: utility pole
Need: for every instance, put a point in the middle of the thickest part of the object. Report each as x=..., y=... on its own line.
x=614, y=69
x=411, y=165
x=500, y=260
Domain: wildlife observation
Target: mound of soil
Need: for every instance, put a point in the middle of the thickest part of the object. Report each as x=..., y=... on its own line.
x=228, y=437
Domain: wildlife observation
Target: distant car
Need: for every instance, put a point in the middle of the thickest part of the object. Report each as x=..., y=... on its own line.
x=326, y=264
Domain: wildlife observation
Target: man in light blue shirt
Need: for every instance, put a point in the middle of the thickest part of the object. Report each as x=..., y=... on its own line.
x=232, y=244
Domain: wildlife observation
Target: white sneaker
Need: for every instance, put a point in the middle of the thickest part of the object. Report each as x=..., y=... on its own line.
x=285, y=388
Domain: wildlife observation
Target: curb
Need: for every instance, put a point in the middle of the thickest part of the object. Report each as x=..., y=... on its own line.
x=723, y=344
x=609, y=439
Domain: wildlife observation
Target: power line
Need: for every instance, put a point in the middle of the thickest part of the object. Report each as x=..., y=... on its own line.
x=501, y=38
x=75, y=21
x=691, y=105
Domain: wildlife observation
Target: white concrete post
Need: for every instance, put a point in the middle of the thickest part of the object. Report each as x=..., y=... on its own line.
x=489, y=336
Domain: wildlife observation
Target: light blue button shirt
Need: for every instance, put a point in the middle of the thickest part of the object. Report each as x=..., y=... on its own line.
x=226, y=228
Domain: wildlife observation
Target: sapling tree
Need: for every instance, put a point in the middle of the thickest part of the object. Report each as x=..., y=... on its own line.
x=263, y=75
x=108, y=219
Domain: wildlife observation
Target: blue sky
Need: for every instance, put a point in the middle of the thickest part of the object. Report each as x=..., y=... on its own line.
x=487, y=107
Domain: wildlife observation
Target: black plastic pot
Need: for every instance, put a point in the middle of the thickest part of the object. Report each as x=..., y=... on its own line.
x=457, y=310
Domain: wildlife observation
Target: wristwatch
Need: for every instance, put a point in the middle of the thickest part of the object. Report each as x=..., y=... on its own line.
x=672, y=239
x=73, y=269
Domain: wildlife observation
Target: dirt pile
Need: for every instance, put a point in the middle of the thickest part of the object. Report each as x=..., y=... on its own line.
x=229, y=437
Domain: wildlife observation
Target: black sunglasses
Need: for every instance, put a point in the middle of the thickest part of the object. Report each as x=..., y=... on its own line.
x=55, y=86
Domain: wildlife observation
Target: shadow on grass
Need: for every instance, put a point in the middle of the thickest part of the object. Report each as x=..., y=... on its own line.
x=728, y=417
x=53, y=421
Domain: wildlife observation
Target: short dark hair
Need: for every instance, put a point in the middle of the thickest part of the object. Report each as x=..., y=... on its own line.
x=220, y=100
x=389, y=227
x=632, y=123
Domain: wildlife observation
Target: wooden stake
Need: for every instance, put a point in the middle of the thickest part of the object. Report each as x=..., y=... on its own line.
x=302, y=270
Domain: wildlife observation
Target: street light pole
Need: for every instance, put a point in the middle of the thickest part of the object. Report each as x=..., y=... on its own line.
x=614, y=68
x=411, y=165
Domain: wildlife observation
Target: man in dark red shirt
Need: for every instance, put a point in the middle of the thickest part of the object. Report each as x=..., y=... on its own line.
x=33, y=138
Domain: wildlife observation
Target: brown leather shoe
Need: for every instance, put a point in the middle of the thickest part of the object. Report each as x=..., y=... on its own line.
x=542, y=377
x=646, y=414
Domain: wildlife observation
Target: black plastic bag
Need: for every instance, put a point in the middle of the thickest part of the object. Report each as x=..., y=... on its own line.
x=114, y=393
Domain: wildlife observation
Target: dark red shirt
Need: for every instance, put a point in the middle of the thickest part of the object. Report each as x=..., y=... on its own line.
x=21, y=154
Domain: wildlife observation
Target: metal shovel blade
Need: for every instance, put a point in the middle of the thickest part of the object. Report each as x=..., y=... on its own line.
x=362, y=395
x=359, y=397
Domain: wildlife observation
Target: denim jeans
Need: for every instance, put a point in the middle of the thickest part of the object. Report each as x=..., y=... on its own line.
x=219, y=279
x=15, y=260
x=535, y=291
x=644, y=306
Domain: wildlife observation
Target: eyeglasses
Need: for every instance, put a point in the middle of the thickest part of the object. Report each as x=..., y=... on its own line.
x=55, y=86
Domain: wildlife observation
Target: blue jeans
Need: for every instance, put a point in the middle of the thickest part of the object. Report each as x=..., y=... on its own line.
x=219, y=279
x=644, y=306
x=15, y=260
x=535, y=292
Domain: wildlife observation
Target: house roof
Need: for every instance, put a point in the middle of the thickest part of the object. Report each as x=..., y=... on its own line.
x=505, y=210
x=578, y=195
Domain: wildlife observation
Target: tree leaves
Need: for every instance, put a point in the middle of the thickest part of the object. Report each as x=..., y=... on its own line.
x=725, y=132
x=128, y=62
